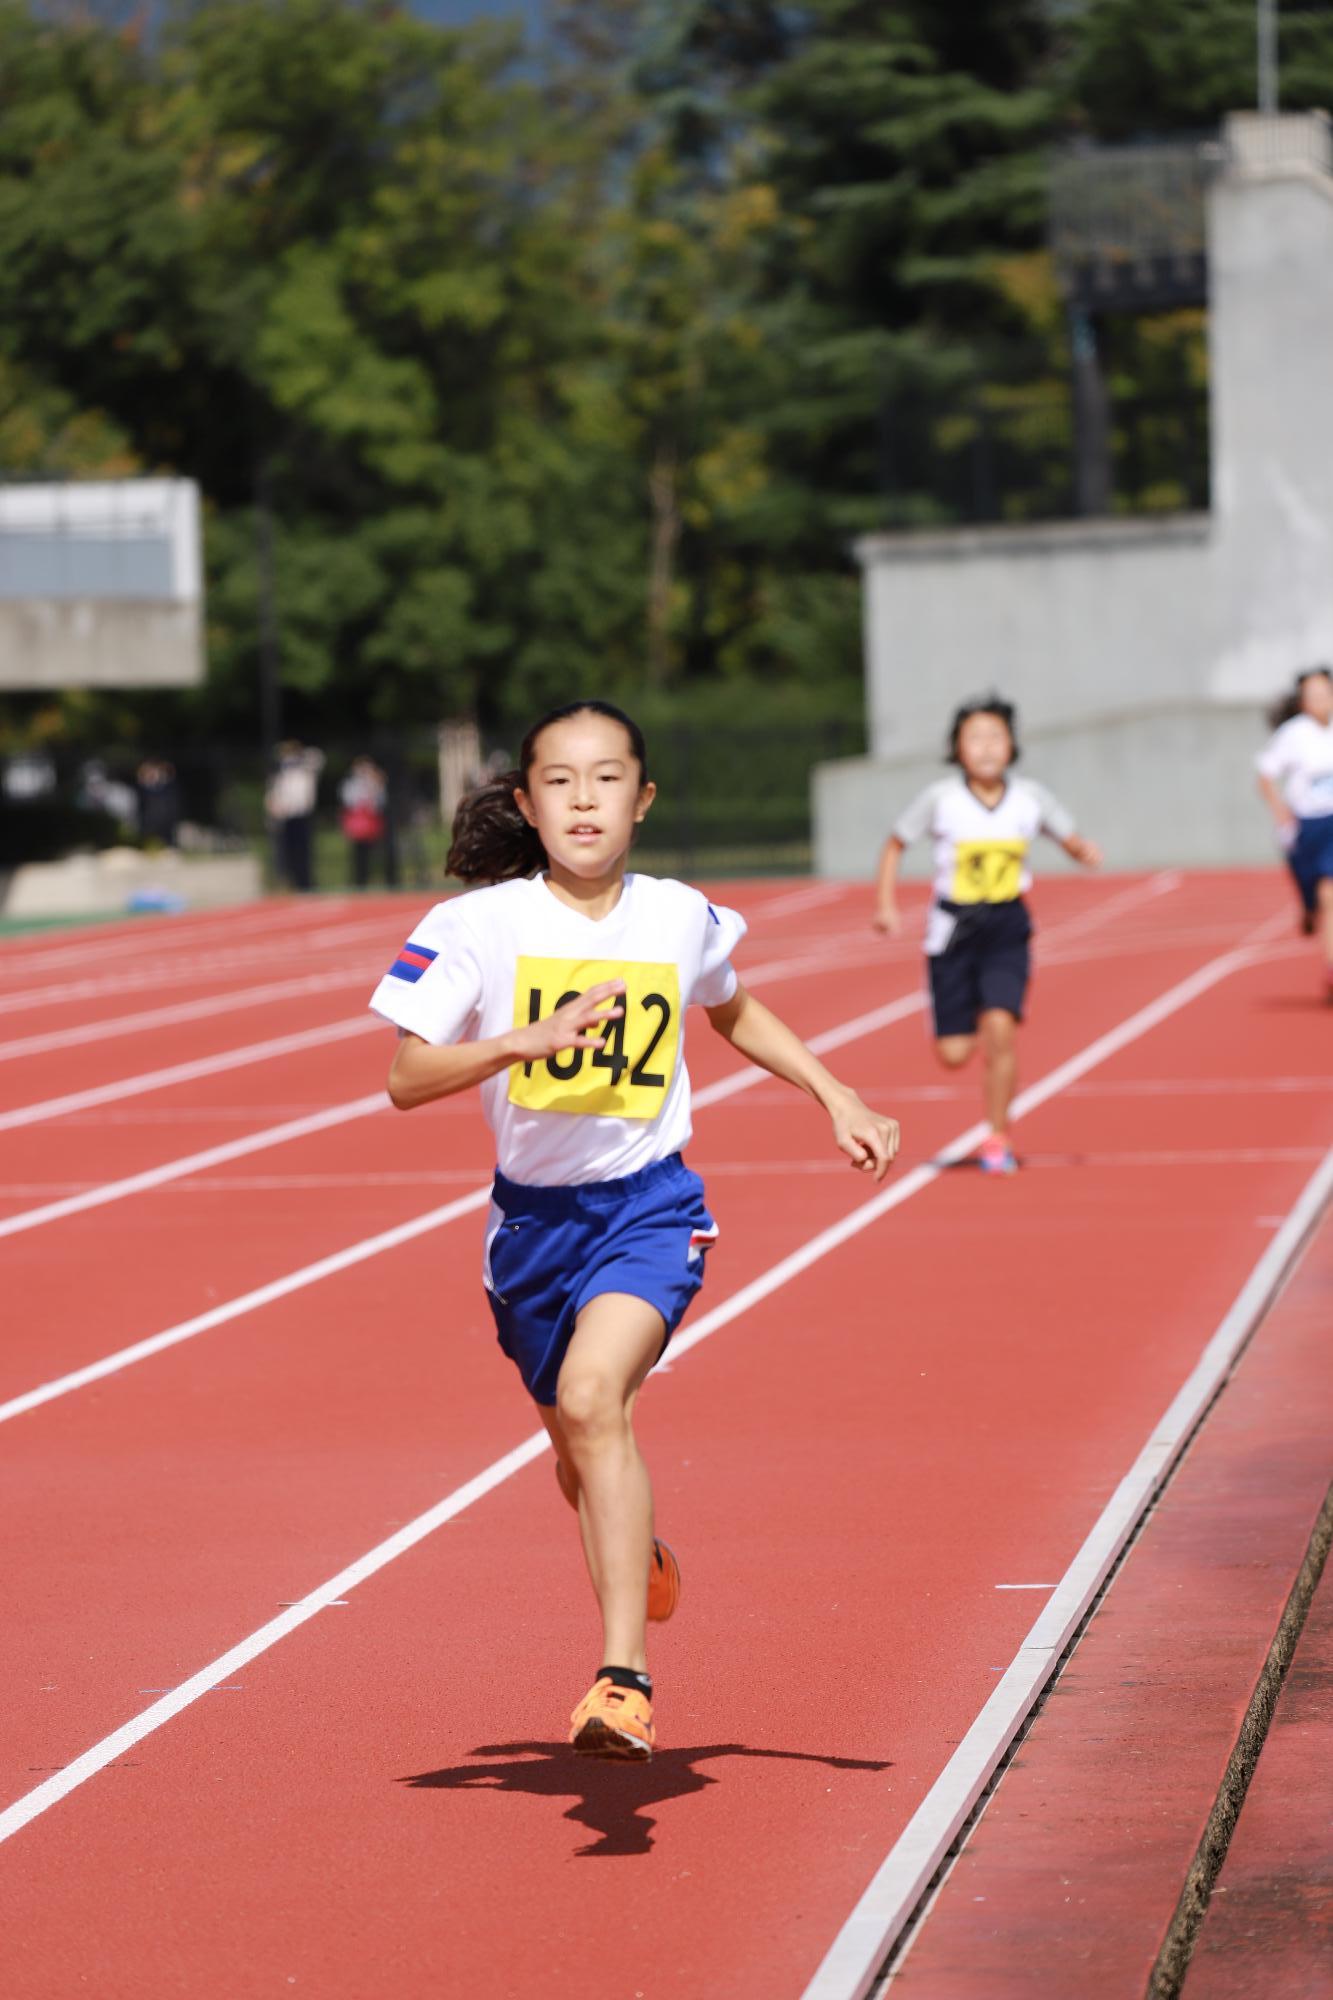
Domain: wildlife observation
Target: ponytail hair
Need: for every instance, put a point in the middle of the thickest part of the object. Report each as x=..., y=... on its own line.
x=492, y=842
x=1293, y=702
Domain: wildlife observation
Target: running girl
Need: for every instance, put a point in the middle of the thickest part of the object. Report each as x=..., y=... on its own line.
x=561, y=991
x=982, y=821
x=1296, y=781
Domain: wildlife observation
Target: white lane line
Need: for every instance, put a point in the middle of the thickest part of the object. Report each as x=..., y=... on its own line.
x=809, y=898
x=211, y=954
x=161, y=1079
x=1025, y=1586
x=192, y=1163
x=773, y=970
x=117, y=944
x=1164, y=883
x=338, y=1114
x=1202, y=1086
x=42, y=1797
x=851, y=1966
x=310, y=1274
x=112, y=1747
x=186, y=1072
x=748, y=1078
x=247, y=1302
x=217, y=965
x=182, y=1010
x=123, y=940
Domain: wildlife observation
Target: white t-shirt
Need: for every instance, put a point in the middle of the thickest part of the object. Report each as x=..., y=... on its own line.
x=981, y=851
x=1298, y=757
x=495, y=959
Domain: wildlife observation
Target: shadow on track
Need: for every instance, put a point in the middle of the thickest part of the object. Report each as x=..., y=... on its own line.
x=609, y=1798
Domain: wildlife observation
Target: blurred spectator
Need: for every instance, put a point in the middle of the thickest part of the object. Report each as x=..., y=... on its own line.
x=159, y=800
x=99, y=792
x=289, y=801
x=363, y=797
x=30, y=775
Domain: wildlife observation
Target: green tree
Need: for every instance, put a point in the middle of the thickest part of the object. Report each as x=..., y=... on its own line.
x=1139, y=70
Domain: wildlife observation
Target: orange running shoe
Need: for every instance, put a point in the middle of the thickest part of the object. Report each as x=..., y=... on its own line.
x=663, y=1583
x=613, y=1721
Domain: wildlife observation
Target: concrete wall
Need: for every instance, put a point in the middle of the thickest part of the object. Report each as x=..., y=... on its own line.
x=48, y=642
x=1090, y=625
x=1169, y=786
x=1069, y=620
x=86, y=885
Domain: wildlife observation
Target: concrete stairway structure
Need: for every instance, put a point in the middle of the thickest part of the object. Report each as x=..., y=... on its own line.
x=1141, y=652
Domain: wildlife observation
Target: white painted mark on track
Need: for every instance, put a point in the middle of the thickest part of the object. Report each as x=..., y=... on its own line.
x=1045, y=1636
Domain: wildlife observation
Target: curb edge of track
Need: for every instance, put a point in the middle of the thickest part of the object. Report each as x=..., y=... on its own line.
x=862, y=1960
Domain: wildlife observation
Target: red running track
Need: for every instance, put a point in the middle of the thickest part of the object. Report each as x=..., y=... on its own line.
x=379, y=1802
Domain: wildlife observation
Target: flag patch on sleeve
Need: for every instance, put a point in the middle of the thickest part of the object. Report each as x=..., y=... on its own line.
x=411, y=962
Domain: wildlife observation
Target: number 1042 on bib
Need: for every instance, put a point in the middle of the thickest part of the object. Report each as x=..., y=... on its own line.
x=629, y=1075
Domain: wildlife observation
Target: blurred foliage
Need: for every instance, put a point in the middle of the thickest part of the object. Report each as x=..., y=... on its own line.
x=565, y=368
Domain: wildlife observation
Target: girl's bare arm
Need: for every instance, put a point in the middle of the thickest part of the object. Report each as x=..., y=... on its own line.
x=869, y=1140
x=887, y=915
x=421, y=1071
x=1284, y=819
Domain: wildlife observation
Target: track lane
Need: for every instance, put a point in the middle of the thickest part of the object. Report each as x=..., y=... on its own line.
x=245, y=933
x=253, y=1238
x=178, y=1279
x=811, y=1193
x=59, y=1062
x=359, y=1714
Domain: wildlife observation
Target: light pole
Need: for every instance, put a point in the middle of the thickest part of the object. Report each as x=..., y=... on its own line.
x=1266, y=37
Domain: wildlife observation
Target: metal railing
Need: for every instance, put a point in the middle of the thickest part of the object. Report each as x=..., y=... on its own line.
x=96, y=539
x=1128, y=224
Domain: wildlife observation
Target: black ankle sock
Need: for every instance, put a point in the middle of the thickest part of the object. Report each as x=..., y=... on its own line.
x=627, y=1677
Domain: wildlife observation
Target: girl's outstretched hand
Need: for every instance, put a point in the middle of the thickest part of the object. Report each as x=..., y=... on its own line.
x=869, y=1140
x=579, y=1024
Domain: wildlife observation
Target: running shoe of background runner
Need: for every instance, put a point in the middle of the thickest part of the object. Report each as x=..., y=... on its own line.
x=663, y=1583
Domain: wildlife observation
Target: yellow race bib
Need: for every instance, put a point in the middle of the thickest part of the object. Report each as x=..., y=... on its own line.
x=987, y=871
x=630, y=1074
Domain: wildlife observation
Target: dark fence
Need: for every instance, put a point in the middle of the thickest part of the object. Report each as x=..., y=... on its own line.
x=1005, y=449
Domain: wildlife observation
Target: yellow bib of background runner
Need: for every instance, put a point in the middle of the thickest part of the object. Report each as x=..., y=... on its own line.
x=630, y=1074
x=987, y=871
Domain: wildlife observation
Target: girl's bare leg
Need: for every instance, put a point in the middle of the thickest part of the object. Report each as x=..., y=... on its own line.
x=616, y=1341
x=567, y=1478
x=999, y=1048
x=1325, y=893
x=954, y=1050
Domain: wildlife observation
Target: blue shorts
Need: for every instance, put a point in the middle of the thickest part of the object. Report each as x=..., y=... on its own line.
x=550, y=1250
x=1310, y=857
x=985, y=965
